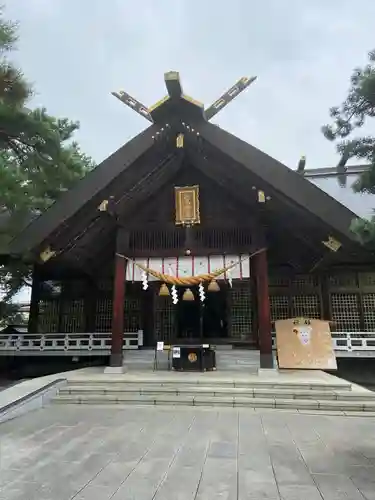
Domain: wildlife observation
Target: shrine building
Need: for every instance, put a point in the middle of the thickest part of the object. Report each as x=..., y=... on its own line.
x=189, y=234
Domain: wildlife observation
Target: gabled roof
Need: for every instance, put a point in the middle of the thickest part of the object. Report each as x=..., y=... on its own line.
x=287, y=182
x=87, y=188
x=187, y=116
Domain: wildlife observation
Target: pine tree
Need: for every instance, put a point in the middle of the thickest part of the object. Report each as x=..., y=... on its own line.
x=358, y=107
x=38, y=161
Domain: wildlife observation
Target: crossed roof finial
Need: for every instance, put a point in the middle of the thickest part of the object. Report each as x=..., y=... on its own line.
x=175, y=95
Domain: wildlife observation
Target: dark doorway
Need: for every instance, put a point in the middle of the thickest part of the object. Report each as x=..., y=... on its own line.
x=196, y=320
x=214, y=314
x=188, y=316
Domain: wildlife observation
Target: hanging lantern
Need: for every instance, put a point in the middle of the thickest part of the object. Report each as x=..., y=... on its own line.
x=188, y=295
x=213, y=286
x=163, y=292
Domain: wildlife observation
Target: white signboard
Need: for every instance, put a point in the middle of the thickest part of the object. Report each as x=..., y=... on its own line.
x=176, y=353
x=160, y=346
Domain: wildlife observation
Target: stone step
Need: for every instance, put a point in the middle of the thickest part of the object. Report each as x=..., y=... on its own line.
x=278, y=393
x=191, y=382
x=220, y=401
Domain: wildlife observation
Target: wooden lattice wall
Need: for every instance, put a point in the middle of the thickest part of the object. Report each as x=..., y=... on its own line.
x=350, y=299
x=240, y=310
x=297, y=296
x=163, y=319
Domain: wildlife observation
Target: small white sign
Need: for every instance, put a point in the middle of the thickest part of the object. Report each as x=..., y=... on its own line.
x=160, y=346
x=176, y=353
x=206, y=346
x=304, y=334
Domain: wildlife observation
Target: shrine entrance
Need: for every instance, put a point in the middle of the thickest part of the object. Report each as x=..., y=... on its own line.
x=197, y=321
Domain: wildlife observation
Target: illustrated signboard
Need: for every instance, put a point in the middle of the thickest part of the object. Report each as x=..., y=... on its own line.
x=305, y=344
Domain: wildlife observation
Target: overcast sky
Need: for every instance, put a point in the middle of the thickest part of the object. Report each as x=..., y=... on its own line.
x=303, y=51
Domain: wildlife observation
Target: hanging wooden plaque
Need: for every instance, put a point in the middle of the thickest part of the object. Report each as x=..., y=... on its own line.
x=187, y=205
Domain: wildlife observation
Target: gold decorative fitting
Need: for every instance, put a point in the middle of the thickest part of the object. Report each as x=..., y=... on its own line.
x=213, y=286
x=103, y=207
x=261, y=197
x=332, y=244
x=180, y=141
x=163, y=292
x=188, y=295
x=47, y=254
x=192, y=357
x=187, y=205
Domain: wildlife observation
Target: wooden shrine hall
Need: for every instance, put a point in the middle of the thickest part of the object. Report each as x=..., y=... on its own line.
x=188, y=233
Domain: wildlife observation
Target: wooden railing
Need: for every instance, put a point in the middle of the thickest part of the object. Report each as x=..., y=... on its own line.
x=357, y=343
x=60, y=344
x=348, y=344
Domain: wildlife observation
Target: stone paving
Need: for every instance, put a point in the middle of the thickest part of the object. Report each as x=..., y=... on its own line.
x=119, y=453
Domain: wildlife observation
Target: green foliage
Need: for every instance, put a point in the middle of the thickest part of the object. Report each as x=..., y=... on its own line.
x=38, y=161
x=351, y=115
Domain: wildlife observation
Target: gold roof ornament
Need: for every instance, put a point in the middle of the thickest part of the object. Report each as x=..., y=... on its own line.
x=188, y=295
x=333, y=244
x=164, y=291
x=180, y=141
x=47, y=254
x=103, y=207
x=261, y=196
x=213, y=286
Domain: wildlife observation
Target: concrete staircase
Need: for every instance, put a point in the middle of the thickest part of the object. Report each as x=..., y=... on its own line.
x=331, y=395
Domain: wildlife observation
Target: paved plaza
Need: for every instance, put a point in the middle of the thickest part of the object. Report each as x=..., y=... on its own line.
x=118, y=453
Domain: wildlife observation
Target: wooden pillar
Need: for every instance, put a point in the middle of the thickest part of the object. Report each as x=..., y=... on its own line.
x=264, y=310
x=32, y=326
x=147, y=308
x=254, y=304
x=325, y=307
x=118, y=311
